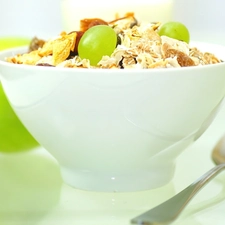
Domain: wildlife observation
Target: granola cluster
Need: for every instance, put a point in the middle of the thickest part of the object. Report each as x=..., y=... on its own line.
x=139, y=46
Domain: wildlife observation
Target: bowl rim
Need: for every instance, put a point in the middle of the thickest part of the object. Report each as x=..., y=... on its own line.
x=201, y=45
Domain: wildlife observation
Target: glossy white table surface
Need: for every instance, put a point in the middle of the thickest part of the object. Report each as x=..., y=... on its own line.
x=32, y=192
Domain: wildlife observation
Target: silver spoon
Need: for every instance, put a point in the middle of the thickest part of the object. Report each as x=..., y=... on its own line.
x=168, y=211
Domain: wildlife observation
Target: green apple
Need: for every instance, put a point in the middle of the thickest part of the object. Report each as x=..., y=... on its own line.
x=11, y=42
x=14, y=136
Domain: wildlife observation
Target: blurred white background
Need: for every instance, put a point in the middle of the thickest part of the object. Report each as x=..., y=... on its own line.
x=45, y=17
x=30, y=18
x=145, y=10
x=204, y=18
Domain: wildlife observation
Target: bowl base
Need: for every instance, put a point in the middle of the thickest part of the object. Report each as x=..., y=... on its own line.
x=136, y=180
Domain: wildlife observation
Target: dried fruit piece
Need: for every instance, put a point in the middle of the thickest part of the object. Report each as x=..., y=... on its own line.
x=36, y=44
x=27, y=58
x=44, y=64
x=182, y=58
x=61, y=51
x=87, y=23
x=59, y=48
x=79, y=34
x=46, y=49
x=210, y=58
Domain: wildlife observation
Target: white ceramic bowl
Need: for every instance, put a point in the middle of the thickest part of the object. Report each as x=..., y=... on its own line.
x=115, y=130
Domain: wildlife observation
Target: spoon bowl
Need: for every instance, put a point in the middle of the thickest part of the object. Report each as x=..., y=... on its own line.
x=168, y=211
x=218, y=153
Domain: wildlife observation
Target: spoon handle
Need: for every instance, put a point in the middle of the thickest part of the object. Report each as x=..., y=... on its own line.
x=169, y=210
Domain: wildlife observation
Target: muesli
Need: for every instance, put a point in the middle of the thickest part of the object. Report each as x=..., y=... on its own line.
x=139, y=45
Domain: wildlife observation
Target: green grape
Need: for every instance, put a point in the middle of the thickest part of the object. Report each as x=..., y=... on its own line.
x=97, y=42
x=175, y=30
